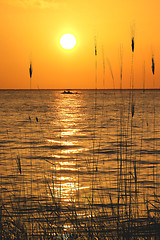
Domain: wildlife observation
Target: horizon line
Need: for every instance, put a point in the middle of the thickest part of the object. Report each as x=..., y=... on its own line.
x=61, y=89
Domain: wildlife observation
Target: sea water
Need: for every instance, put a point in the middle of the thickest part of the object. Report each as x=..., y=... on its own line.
x=92, y=146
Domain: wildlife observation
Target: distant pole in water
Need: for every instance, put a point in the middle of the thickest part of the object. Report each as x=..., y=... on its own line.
x=30, y=73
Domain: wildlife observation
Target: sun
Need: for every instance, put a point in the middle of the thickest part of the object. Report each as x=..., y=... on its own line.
x=68, y=41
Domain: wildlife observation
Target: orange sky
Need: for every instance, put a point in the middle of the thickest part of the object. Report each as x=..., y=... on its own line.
x=31, y=29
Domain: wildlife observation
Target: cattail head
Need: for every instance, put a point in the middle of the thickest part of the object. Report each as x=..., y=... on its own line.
x=95, y=46
x=153, y=66
x=30, y=70
x=121, y=73
x=133, y=35
x=95, y=50
x=132, y=45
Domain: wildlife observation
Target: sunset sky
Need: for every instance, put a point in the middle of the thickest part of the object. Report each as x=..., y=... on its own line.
x=30, y=30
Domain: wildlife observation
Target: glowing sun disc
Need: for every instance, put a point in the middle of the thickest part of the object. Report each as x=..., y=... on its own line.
x=68, y=41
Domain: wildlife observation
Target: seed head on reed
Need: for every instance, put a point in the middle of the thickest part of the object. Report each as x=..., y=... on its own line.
x=132, y=44
x=153, y=65
x=30, y=70
x=95, y=47
x=95, y=50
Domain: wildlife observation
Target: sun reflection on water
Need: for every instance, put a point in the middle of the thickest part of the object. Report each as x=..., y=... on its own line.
x=65, y=180
x=65, y=166
x=58, y=156
x=66, y=188
x=65, y=143
x=72, y=150
x=69, y=132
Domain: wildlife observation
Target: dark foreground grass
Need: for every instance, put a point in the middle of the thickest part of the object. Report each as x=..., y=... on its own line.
x=29, y=216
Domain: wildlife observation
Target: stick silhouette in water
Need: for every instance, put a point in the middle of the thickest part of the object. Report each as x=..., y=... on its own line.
x=30, y=73
x=132, y=109
x=19, y=164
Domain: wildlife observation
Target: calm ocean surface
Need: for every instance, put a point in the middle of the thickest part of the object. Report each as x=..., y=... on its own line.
x=84, y=147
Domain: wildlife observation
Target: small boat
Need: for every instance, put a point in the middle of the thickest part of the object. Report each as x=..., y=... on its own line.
x=67, y=92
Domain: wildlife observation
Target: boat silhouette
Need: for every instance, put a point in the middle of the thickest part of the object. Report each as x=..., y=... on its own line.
x=68, y=92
